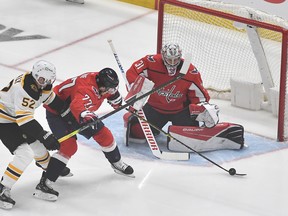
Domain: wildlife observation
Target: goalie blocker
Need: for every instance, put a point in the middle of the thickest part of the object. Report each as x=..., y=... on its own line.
x=222, y=136
x=141, y=86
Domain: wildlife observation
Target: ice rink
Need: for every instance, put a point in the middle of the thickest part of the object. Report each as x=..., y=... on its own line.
x=74, y=38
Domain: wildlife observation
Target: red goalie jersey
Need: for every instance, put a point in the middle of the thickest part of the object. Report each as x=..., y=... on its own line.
x=174, y=97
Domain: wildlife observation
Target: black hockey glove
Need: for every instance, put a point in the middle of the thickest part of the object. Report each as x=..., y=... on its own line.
x=67, y=115
x=49, y=140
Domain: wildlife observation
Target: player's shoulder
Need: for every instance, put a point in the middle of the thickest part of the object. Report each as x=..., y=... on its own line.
x=153, y=58
x=86, y=78
x=193, y=70
x=192, y=73
x=86, y=82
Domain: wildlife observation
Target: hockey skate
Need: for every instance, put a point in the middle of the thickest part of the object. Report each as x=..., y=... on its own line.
x=76, y=1
x=65, y=172
x=6, y=202
x=45, y=191
x=123, y=169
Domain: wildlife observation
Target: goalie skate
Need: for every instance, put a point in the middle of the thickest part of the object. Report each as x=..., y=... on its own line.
x=123, y=169
x=6, y=202
x=45, y=191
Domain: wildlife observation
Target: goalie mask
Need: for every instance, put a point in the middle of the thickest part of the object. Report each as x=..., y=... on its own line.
x=108, y=79
x=44, y=73
x=171, y=55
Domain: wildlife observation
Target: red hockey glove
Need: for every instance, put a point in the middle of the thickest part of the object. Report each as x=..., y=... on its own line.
x=115, y=100
x=87, y=117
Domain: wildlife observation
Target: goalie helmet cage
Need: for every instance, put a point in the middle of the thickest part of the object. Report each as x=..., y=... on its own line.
x=237, y=41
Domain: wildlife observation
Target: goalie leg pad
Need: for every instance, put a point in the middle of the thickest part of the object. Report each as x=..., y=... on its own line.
x=222, y=136
x=132, y=130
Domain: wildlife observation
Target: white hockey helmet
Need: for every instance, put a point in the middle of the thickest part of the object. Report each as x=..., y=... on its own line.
x=171, y=55
x=44, y=73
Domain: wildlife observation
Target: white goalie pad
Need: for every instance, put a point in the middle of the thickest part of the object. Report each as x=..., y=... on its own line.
x=141, y=86
x=222, y=136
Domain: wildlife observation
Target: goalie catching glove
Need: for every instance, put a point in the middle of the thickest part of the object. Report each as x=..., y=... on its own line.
x=206, y=113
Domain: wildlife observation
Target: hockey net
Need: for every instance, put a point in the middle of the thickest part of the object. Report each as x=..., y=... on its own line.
x=231, y=41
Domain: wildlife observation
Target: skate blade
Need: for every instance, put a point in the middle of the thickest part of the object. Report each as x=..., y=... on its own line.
x=123, y=174
x=45, y=196
x=6, y=205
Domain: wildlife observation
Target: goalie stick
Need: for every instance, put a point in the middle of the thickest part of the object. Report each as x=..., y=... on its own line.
x=128, y=103
x=144, y=125
x=230, y=171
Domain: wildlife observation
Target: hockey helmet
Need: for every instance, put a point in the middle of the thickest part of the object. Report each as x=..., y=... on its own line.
x=44, y=73
x=171, y=55
x=108, y=78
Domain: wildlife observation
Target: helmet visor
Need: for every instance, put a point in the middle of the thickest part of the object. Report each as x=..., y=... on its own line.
x=172, y=61
x=111, y=90
x=44, y=82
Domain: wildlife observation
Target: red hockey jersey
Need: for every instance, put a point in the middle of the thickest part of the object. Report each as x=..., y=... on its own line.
x=176, y=96
x=82, y=93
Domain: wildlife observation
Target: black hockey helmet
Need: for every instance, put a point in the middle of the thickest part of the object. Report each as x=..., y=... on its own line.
x=107, y=78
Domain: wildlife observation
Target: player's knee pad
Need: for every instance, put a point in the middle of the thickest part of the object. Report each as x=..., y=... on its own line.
x=23, y=156
x=41, y=155
x=68, y=147
x=104, y=138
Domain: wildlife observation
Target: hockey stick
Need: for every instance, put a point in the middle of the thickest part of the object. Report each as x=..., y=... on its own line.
x=146, y=127
x=231, y=171
x=128, y=103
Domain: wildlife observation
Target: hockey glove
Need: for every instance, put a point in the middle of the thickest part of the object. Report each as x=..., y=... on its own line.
x=115, y=100
x=206, y=113
x=67, y=115
x=87, y=117
x=49, y=140
x=141, y=86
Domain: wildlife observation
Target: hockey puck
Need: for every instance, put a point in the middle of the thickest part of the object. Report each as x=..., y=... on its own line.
x=232, y=171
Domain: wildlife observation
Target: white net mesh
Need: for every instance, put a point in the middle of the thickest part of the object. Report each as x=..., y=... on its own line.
x=221, y=47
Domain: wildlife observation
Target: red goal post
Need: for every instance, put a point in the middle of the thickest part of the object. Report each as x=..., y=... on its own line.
x=230, y=41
